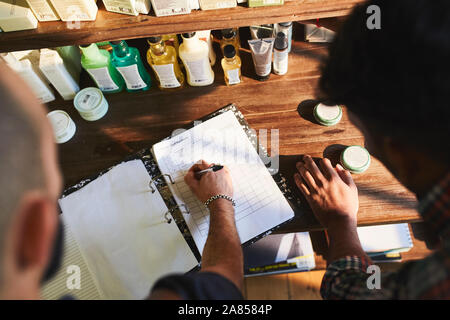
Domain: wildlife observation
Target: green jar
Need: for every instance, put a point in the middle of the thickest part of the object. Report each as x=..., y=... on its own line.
x=356, y=159
x=327, y=115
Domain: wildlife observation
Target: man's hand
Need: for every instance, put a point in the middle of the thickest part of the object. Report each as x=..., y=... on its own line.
x=222, y=253
x=330, y=192
x=209, y=184
x=333, y=197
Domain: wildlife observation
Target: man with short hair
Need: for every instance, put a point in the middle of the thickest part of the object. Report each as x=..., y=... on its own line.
x=30, y=231
x=395, y=84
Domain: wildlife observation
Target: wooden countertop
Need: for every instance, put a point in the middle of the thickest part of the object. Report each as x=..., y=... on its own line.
x=138, y=120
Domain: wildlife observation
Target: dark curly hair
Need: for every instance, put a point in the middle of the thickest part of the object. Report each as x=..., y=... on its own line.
x=395, y=79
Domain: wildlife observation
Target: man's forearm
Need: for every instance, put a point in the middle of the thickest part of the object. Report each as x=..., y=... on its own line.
x=344, y=241
x=222, y=252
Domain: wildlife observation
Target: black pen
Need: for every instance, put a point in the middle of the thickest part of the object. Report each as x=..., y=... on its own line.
x=213, y=168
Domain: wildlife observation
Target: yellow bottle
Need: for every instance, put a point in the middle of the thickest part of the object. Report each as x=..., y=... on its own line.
x=171, y=40
x=230, y=36
x=164, y=62
x=231, y=65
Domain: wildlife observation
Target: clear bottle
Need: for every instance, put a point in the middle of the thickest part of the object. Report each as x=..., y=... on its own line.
x=164, y=62
x=230, y=36
x=231, y=64
x=195, y=56
x=97, y=62
x=280, y=54
x=127, y=60
x=286, y=28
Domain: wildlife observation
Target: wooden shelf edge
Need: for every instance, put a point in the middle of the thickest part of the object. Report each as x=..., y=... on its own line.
x=112, y=26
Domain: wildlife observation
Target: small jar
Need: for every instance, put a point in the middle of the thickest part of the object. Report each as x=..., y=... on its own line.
x=355, y=159
x=327, y=115
x=91, y=104
x=63, y=126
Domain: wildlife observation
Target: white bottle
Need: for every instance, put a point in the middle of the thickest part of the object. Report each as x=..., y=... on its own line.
x=52, y=66
x=280, y=54
x=25, y=70
x=195, y=56
x=206, y=36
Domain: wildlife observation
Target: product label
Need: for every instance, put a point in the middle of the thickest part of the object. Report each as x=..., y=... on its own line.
x=132, y=77
x=89, y=101
x=120, y=6
x=263, y=69
x=198, y=71
x=280, y=61
x=103, y=79
x=166, y=75
x=233, y=76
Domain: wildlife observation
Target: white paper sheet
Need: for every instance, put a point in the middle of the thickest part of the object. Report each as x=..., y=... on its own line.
x=260, y=204
x=120, y=228
x=385, y=237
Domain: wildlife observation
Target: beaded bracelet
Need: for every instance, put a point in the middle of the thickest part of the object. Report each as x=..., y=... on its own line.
x=220, y=196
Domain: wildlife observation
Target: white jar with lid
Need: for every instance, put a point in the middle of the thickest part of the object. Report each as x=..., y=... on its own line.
x=91, y=104
x=63, y=126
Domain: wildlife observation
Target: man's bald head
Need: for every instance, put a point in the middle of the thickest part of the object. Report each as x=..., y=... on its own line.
x=27, y=152
x=21, y=162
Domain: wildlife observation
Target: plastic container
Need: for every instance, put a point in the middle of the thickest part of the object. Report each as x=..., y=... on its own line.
x=127, y=60
x=286, y=28
x=280, y=54
x=327, y=115
x=53, y=67
x=356, y=159
x=97, y=62
x=231, y=65
x=91, y=104
x=195, y=56
x=63, y=126
x=163, y=60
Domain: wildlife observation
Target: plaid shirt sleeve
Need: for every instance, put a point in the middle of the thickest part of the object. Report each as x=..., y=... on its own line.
x=429, y=278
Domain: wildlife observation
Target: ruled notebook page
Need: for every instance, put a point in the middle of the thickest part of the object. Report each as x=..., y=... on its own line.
x=260, y=205
x=57, y=287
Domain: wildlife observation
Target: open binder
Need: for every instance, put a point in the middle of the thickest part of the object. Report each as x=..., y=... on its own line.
x=158, y=164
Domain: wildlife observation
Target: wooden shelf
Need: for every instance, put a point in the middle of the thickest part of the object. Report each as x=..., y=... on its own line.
x=113, y=26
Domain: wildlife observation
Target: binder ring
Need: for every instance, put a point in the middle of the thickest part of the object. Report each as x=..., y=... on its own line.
x=156, y=178
x=166, y=216
x=169, y=212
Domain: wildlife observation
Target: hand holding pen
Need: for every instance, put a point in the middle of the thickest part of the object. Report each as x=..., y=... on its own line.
x=205, y=185
x=213, y=168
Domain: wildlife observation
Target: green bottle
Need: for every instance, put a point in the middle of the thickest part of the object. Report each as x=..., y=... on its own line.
x=97, y=63
x=127, y=61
